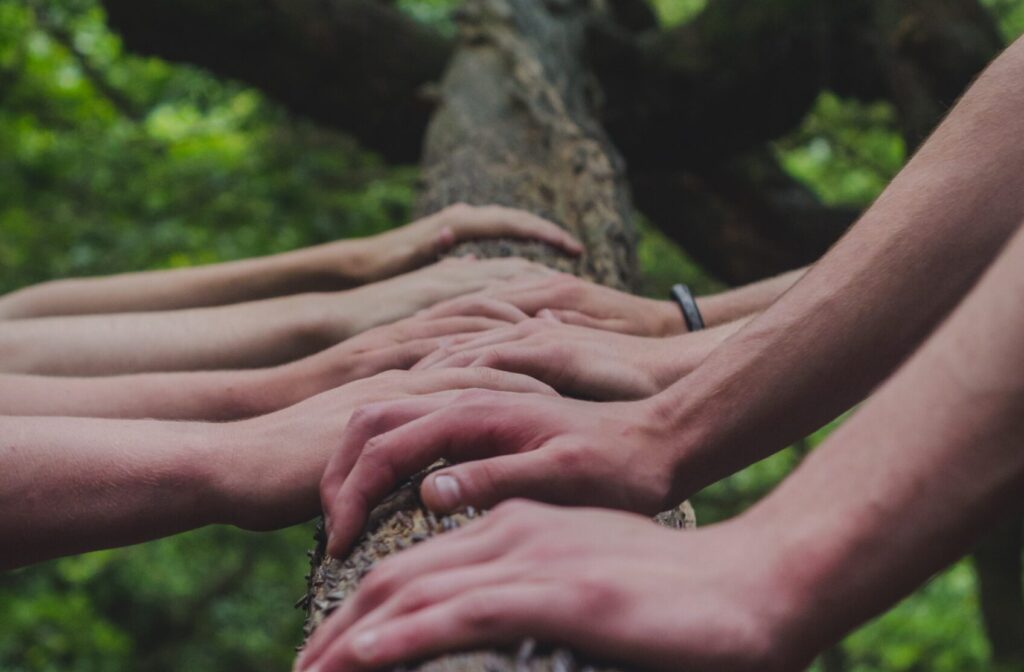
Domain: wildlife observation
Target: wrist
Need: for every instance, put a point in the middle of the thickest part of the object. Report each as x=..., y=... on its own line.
x=267, y=470
x=768, y=573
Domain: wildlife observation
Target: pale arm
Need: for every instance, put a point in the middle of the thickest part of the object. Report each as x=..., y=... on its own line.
x=322, y=268
x=244, y=335
x=231, y=395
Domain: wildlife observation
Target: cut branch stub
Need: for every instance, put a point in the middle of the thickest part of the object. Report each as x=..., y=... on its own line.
x=513, y=127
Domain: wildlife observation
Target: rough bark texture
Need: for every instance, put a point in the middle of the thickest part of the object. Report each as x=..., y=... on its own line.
x=513, y=127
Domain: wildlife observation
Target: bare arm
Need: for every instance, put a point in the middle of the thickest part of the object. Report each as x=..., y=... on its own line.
x=231, y=395
x=742, y=302
x=323, y=268
x=872, y=299
x=244, y=335
x=69, y=485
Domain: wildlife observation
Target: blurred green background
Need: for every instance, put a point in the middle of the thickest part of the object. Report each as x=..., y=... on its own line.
x=110, y=162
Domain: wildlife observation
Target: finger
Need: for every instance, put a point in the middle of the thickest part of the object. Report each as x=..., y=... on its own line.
x=473, y=343
x=451, y=361
x=484, y=483
x=446, y=348
x=364, y=423
x=442, y=359
x=457, y=550
x=438, y=380
x=489, y=616
x=495, y=221
x=457, y=324
x=515, y=268
x=477, y=305
x=386, y=459
x=574, y=317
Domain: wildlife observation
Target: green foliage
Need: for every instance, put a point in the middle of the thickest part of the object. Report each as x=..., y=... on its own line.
x=848, y=151
x=112, y=163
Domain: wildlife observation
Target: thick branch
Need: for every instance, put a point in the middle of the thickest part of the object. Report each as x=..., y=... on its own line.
x=356, y=65
x=742, y=220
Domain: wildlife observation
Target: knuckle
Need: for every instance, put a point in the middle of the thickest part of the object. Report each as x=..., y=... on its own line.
x=379, y=581
x=480, y=614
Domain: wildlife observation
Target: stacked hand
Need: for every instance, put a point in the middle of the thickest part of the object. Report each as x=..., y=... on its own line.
x=575, y=301
x=578, y=361
x=611, y=585
x=411, y=246
x=277, y=459
x=506, y=445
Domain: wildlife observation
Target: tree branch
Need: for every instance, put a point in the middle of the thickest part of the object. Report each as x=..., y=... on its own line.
x=742, y=220
x=356, y=65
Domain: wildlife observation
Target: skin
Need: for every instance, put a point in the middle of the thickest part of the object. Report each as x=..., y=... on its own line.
x=70, y=485
x=580, y=361
x=572, y=300
x=899, y=491
x=822, y=347
x=244, y=335
x=233, y=395
x=329, y=267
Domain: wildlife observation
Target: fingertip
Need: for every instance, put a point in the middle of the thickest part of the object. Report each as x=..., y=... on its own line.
x=548, y=314
x=445, y=238
x=442, y=492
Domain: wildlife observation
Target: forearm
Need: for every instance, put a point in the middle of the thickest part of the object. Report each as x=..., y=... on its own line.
x=678, y=356
x=872, y=299
x=742, y=302
x=249, y=335
x=72, y=485
x=193, y=395
x=928, y=464
x=328, y=267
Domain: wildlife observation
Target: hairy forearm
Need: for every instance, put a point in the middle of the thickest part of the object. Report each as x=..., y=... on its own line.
x=929, y=463
x=872, y=299
x=328, y=267
x=69, y=485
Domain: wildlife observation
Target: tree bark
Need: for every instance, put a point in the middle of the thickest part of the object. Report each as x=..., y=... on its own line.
x=514, y=126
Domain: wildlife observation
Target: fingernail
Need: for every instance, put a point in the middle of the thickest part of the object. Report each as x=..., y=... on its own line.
x=448, y=491
x=365, y=645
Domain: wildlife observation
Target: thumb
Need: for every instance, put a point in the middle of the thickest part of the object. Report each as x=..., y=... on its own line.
x=485, y=483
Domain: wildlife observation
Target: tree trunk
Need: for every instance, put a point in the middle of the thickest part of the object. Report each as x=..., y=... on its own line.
x=514, y=126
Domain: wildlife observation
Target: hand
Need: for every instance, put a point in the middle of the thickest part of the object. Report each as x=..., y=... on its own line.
x=422, y=241
x=278, y=459
x=564, y=451
x=579, y=361
x=398, y=345
x=342, y=315
x=579, y=302
x=611, y=585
